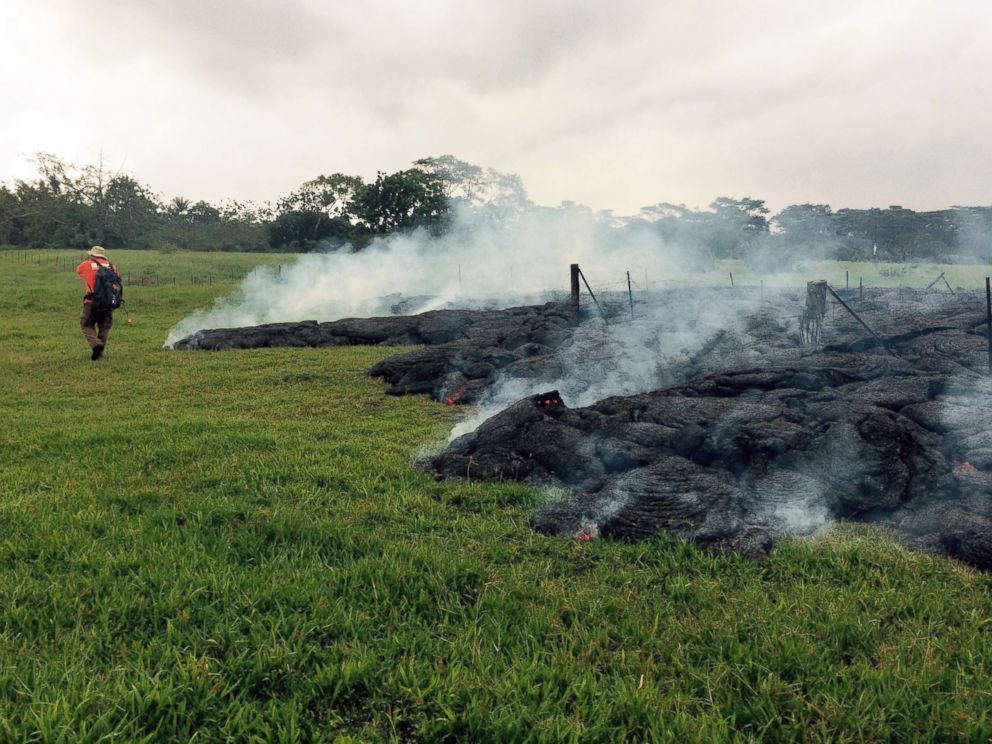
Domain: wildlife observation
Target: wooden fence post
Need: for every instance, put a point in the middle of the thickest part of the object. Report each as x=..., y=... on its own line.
x=574, y=271
x=988, y=318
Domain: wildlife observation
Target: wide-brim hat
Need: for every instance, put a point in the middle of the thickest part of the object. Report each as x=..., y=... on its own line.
x=97, y=251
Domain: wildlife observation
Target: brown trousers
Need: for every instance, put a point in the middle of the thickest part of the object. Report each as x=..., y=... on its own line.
x=96, y=325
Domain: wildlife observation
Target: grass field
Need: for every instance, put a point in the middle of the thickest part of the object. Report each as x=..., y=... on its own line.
x=846, y=274
x=234, y=546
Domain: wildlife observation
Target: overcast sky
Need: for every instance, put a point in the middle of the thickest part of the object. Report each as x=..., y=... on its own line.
x=612, y=104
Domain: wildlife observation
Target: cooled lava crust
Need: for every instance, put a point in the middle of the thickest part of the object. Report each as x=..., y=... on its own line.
x=750, y=438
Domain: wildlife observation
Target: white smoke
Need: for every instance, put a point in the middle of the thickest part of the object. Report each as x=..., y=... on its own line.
x=965, y=411
x=651, y=351
x=478, y=262
x=501, y=263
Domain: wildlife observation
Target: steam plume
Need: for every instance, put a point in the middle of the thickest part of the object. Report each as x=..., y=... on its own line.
x=478, y=262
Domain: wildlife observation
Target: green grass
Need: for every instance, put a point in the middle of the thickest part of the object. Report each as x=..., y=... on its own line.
x=840, y=274
x=235, y=545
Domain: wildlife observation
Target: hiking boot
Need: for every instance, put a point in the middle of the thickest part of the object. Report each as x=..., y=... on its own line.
x=97, y=353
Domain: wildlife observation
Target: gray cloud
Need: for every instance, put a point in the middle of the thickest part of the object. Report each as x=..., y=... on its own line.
x=615, y=105
x=248, y=47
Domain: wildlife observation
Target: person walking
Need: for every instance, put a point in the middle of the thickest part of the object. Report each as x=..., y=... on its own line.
x=98, y=302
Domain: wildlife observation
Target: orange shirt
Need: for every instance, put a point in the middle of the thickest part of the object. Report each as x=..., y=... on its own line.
x=87, y=270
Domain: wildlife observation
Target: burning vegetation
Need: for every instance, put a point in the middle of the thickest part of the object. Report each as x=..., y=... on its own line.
x=749, y=436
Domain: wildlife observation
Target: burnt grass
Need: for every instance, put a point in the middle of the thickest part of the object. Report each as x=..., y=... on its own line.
x=754, y=437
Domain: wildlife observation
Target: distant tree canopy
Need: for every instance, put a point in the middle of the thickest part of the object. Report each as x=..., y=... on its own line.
x=76, y=207
x=330, y=211
x=68, y=206
x=317, y=213
x=740, y=228
x=499, y=194
x=402, y=201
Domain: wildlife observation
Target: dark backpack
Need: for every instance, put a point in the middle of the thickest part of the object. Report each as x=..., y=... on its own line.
x=108, y=288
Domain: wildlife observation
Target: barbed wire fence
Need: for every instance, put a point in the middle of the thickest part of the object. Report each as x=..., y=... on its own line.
x=628, y=282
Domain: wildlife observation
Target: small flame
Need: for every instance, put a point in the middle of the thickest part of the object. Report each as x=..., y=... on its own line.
x=455, y=397
x=588, y=533
x=964, y=469
x=551, y=399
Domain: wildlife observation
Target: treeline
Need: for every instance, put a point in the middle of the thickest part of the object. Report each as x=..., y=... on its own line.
x=75, y=207
x=742, y=228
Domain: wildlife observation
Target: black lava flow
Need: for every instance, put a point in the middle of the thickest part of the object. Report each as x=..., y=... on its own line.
x=754, y=438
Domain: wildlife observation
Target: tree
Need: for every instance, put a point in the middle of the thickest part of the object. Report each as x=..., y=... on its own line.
x=320, y=211
x=664, y=211
x=806, y=222
x=458, y=178
x=178, y=208
x=71, y=206
x=11, y=225
x=129, y=214
x=735, y=225
x=500, y=195
x=404, y=200
x=304, y=230
x=747, y=212
x=51, y=210
x=330, y=196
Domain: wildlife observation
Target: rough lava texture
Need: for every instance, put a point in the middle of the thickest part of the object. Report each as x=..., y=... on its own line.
x=737, y=458
x=748, y=437
x=463, y=349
